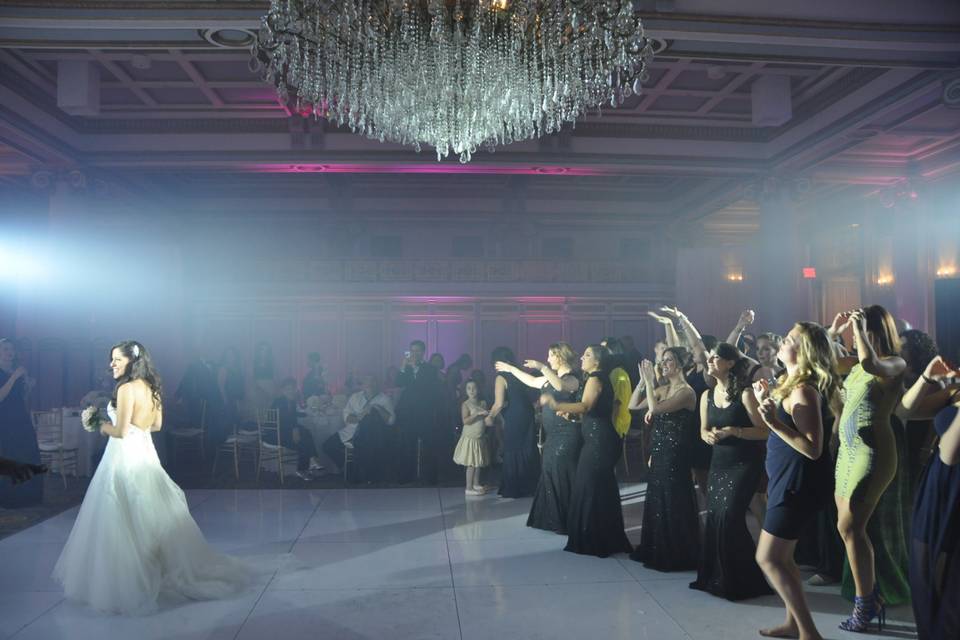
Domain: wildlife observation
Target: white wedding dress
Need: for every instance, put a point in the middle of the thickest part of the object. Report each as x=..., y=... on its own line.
x=134, y=538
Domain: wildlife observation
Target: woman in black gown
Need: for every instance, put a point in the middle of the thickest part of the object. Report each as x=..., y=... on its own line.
x=669, y=537
x=696, y=375
x=561, y=449
x=595, y=521
x=729, y=421
x=521, y=463
x=18, y=440
x=935, y=543
x=799, y=464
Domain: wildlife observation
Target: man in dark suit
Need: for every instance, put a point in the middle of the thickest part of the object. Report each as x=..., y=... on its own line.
x=417, y=411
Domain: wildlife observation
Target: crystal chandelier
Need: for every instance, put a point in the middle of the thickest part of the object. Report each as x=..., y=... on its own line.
x=458, y=75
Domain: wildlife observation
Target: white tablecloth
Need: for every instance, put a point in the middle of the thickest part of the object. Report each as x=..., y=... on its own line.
x=322, y=427
x=89, y=445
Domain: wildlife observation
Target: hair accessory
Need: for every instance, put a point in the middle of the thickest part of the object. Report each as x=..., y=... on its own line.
x=135, y=349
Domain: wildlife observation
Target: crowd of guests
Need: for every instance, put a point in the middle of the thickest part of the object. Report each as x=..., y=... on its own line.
x=842, y=455
x=803, y=432
x=847, y=456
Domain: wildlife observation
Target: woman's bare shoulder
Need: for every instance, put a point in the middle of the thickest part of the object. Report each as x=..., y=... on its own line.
x=136, y=387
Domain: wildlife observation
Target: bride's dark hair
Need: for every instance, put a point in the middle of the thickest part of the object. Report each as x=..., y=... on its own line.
x=140, y=367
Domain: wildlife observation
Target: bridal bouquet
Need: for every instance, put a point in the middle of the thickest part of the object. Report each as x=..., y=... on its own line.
x=91, y=419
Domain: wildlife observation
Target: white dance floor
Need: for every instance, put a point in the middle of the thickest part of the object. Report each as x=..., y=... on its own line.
x=399, y=564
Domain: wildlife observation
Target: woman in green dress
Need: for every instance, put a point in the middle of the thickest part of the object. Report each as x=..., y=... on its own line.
x=867, y=459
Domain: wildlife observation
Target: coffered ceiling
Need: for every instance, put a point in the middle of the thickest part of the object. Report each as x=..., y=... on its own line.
x=872, y=99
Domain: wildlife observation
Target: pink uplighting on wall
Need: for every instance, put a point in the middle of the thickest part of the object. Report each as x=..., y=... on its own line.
x=443, y=167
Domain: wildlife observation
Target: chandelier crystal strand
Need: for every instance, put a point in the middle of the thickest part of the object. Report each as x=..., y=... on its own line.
x=458, y=75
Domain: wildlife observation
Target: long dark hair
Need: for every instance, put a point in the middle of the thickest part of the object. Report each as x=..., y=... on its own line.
x=884, y=329
x=738, y=378
x=140, y=367
x=917, y=348
x=605, y=359
x=503, y=354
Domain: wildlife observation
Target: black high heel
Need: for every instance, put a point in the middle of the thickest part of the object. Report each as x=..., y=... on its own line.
x=865, y=609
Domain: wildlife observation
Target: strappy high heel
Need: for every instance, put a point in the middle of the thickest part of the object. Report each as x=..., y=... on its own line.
x=865, y=609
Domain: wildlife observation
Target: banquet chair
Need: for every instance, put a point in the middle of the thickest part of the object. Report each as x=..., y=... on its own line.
x=242, y=444
x=348, y=455
x=53, y=453
x=268, y=426
x=187, y=439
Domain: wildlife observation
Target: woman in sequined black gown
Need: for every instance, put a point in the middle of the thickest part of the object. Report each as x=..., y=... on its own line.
x=561, y=449
x=729, y=421
x=595, y=521
x=669, y=537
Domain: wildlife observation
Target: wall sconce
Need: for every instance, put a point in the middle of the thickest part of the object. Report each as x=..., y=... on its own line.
x=947, y=272
x=884, y=281
x=735, y=277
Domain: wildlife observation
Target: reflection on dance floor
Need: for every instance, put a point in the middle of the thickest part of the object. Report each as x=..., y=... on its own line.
x=399, y=563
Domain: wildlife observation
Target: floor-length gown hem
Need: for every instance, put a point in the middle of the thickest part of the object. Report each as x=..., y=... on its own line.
x=135, y=542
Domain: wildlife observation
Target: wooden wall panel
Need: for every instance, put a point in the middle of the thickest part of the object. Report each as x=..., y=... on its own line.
x=359, y=335
x=642, y=329
x=584, y=331
x=495, y=332
x=277, y=331
x=453, y=337
x=321, y=334
x=538, y=336
x=364, y=346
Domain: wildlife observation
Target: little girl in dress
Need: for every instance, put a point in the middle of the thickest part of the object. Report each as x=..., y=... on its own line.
x=471, y=451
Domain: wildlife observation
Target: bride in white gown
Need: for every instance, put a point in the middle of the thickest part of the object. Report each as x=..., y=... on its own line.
x=134, y=538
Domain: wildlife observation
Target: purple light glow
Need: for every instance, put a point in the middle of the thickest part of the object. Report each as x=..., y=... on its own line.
x=445, y=167
x=520, y=299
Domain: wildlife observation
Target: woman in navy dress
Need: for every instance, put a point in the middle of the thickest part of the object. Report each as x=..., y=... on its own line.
x=18, y=440
x=799, y=465
x=521, y=462
x=595, y=522
x=935, y=547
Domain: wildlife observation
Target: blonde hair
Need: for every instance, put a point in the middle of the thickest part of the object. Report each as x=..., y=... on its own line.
x=816, y=366
x=565, y=352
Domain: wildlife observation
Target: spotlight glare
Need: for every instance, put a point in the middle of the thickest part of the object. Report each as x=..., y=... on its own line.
x=18, y=266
